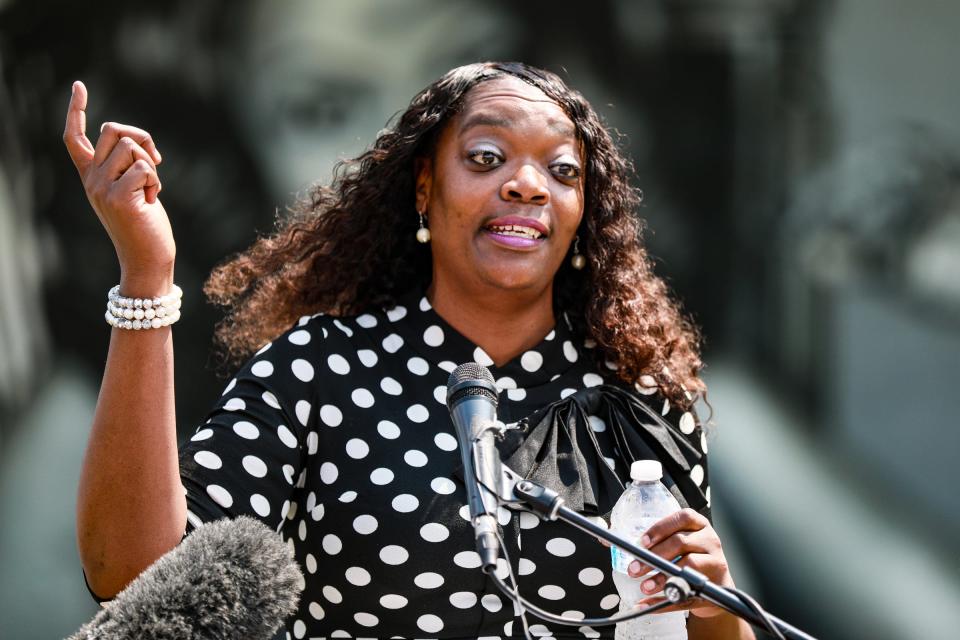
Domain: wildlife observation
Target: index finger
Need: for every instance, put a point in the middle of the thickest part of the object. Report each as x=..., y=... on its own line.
x=683, y=520
x=75, y=130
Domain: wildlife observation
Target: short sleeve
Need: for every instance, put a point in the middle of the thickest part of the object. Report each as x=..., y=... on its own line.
x=249, y=455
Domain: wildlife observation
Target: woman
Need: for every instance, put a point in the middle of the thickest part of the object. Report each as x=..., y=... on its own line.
x=335, y=431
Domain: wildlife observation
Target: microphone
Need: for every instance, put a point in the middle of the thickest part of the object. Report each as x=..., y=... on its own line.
x=227, y=579
x=472, y=401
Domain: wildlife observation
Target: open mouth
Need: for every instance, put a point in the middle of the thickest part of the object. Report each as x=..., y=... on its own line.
x=515, y=231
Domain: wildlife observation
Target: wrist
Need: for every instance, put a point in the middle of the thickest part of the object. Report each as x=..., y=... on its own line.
x=146, y=285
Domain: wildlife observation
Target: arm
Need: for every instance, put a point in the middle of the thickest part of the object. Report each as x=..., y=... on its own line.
x=130, y=508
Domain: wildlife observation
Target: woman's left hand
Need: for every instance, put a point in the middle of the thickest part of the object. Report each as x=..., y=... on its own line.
x=689, y=535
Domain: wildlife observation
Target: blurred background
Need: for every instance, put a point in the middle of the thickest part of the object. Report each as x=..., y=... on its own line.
x=801, y=166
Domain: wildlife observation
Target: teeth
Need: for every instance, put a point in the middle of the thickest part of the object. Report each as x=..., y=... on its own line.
x=516, y=230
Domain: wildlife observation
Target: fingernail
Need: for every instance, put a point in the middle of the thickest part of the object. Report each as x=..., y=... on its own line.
x=634, y=567
x=645, y=540
x=648, y=585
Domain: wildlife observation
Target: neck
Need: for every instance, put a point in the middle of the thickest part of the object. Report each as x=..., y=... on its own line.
x=502, y=323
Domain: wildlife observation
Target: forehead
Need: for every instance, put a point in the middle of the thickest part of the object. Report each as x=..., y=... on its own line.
x=508, y=99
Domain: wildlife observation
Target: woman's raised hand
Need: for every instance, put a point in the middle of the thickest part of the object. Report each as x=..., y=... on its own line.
x=120, y=178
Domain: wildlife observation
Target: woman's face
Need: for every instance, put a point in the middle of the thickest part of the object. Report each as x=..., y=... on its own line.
x=503, y=193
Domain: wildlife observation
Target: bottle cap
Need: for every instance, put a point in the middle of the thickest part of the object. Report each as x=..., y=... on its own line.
x=646, y=470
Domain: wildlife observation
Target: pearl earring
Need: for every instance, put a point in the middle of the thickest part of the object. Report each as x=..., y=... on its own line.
x=423, y=234
x=577, y=261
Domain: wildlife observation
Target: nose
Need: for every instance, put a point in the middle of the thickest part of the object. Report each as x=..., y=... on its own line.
x=527, y=185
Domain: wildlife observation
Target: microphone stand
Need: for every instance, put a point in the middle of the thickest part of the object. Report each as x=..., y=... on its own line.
x=684, y=582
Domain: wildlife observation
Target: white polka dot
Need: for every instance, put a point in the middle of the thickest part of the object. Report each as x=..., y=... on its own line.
x=331, y=544
x=357, y=576
x=465, y=512
x=220, y=495
x=539, y=630
x=302, y=409
x=434, y=532
x=703, y=442
x=562, y=547
x=388, y=430
x=338, y=364
x=480, y=357
x=445, y=441
x=425, y=304
x=428, y=580
x=347, y=496
x=381, y=476
x=433, y=336
x=346, y=330
x=302, y=369
x=588, y=632
x=286, y=436
x=592, y=380
x=551, y=592
x=516, y=394
x=491, y=603
x=362, y=398
x=503, y=569
x=708, y=496
x=531, y=360
x=397, y=313
x=392, y=343
x=288, y=473
x=311, y=563
x=332, y=594
x=463, y=599
x=591, y=576
x=503, y=516
x=291, y=510
x=440, y=394
x=328, y=473
x=367, y=321
x=415, y=458
x=394, y=554
x=418, y=366
x=573, y=613
x=367, y=357
x=254, y=466
x=467, y=559
x=418, y=413
x=235, y=404
x=246, y=430
x=526, y=567
x=506, y=382
x=528, y=520
x=300, y=337
x=610, y=601
x=687, y=423
x=597, y=424
x=299, y=629
x=313, y=443
x=447, y=366
x=357, y=448
x=405, y=503
x=393, y=601
x=443, y=486
x=285, y=509
x=365, y=524
x=317, y=513
x=229, y=387
x=696, y=474
x=610, y=462
x=391, y=386
x=208, y=459
x=430, y=623
x=330, y=415
x=567, y=392
x=666, y=407
x=202, y=434
x=311, y=500
x=262, y=369
x=316, y=611
x=570, y=351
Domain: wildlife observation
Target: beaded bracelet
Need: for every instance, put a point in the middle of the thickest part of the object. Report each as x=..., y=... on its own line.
x=142, y=313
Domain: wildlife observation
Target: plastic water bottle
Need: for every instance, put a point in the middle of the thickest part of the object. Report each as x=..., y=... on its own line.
x=645, y=501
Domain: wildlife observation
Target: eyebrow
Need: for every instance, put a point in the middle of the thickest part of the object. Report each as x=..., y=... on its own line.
x=487, y=119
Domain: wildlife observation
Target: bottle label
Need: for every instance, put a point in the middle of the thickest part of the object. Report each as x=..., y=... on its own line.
x=620, y=559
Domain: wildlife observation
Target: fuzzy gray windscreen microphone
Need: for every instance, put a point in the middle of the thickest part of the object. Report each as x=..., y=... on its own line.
x=227, y=579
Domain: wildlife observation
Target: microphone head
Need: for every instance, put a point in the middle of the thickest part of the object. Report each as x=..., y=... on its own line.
x=471, y=379
x=228, y=579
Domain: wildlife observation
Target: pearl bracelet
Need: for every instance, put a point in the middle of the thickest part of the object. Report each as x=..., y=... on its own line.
x=142, y=313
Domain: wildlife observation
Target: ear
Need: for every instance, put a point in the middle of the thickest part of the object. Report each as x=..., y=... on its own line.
x=423, y=171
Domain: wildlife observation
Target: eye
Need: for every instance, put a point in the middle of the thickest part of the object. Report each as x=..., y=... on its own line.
x=485, y=157
x=566, y=170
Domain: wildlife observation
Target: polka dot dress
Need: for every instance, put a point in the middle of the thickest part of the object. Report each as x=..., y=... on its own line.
x=337, y=435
